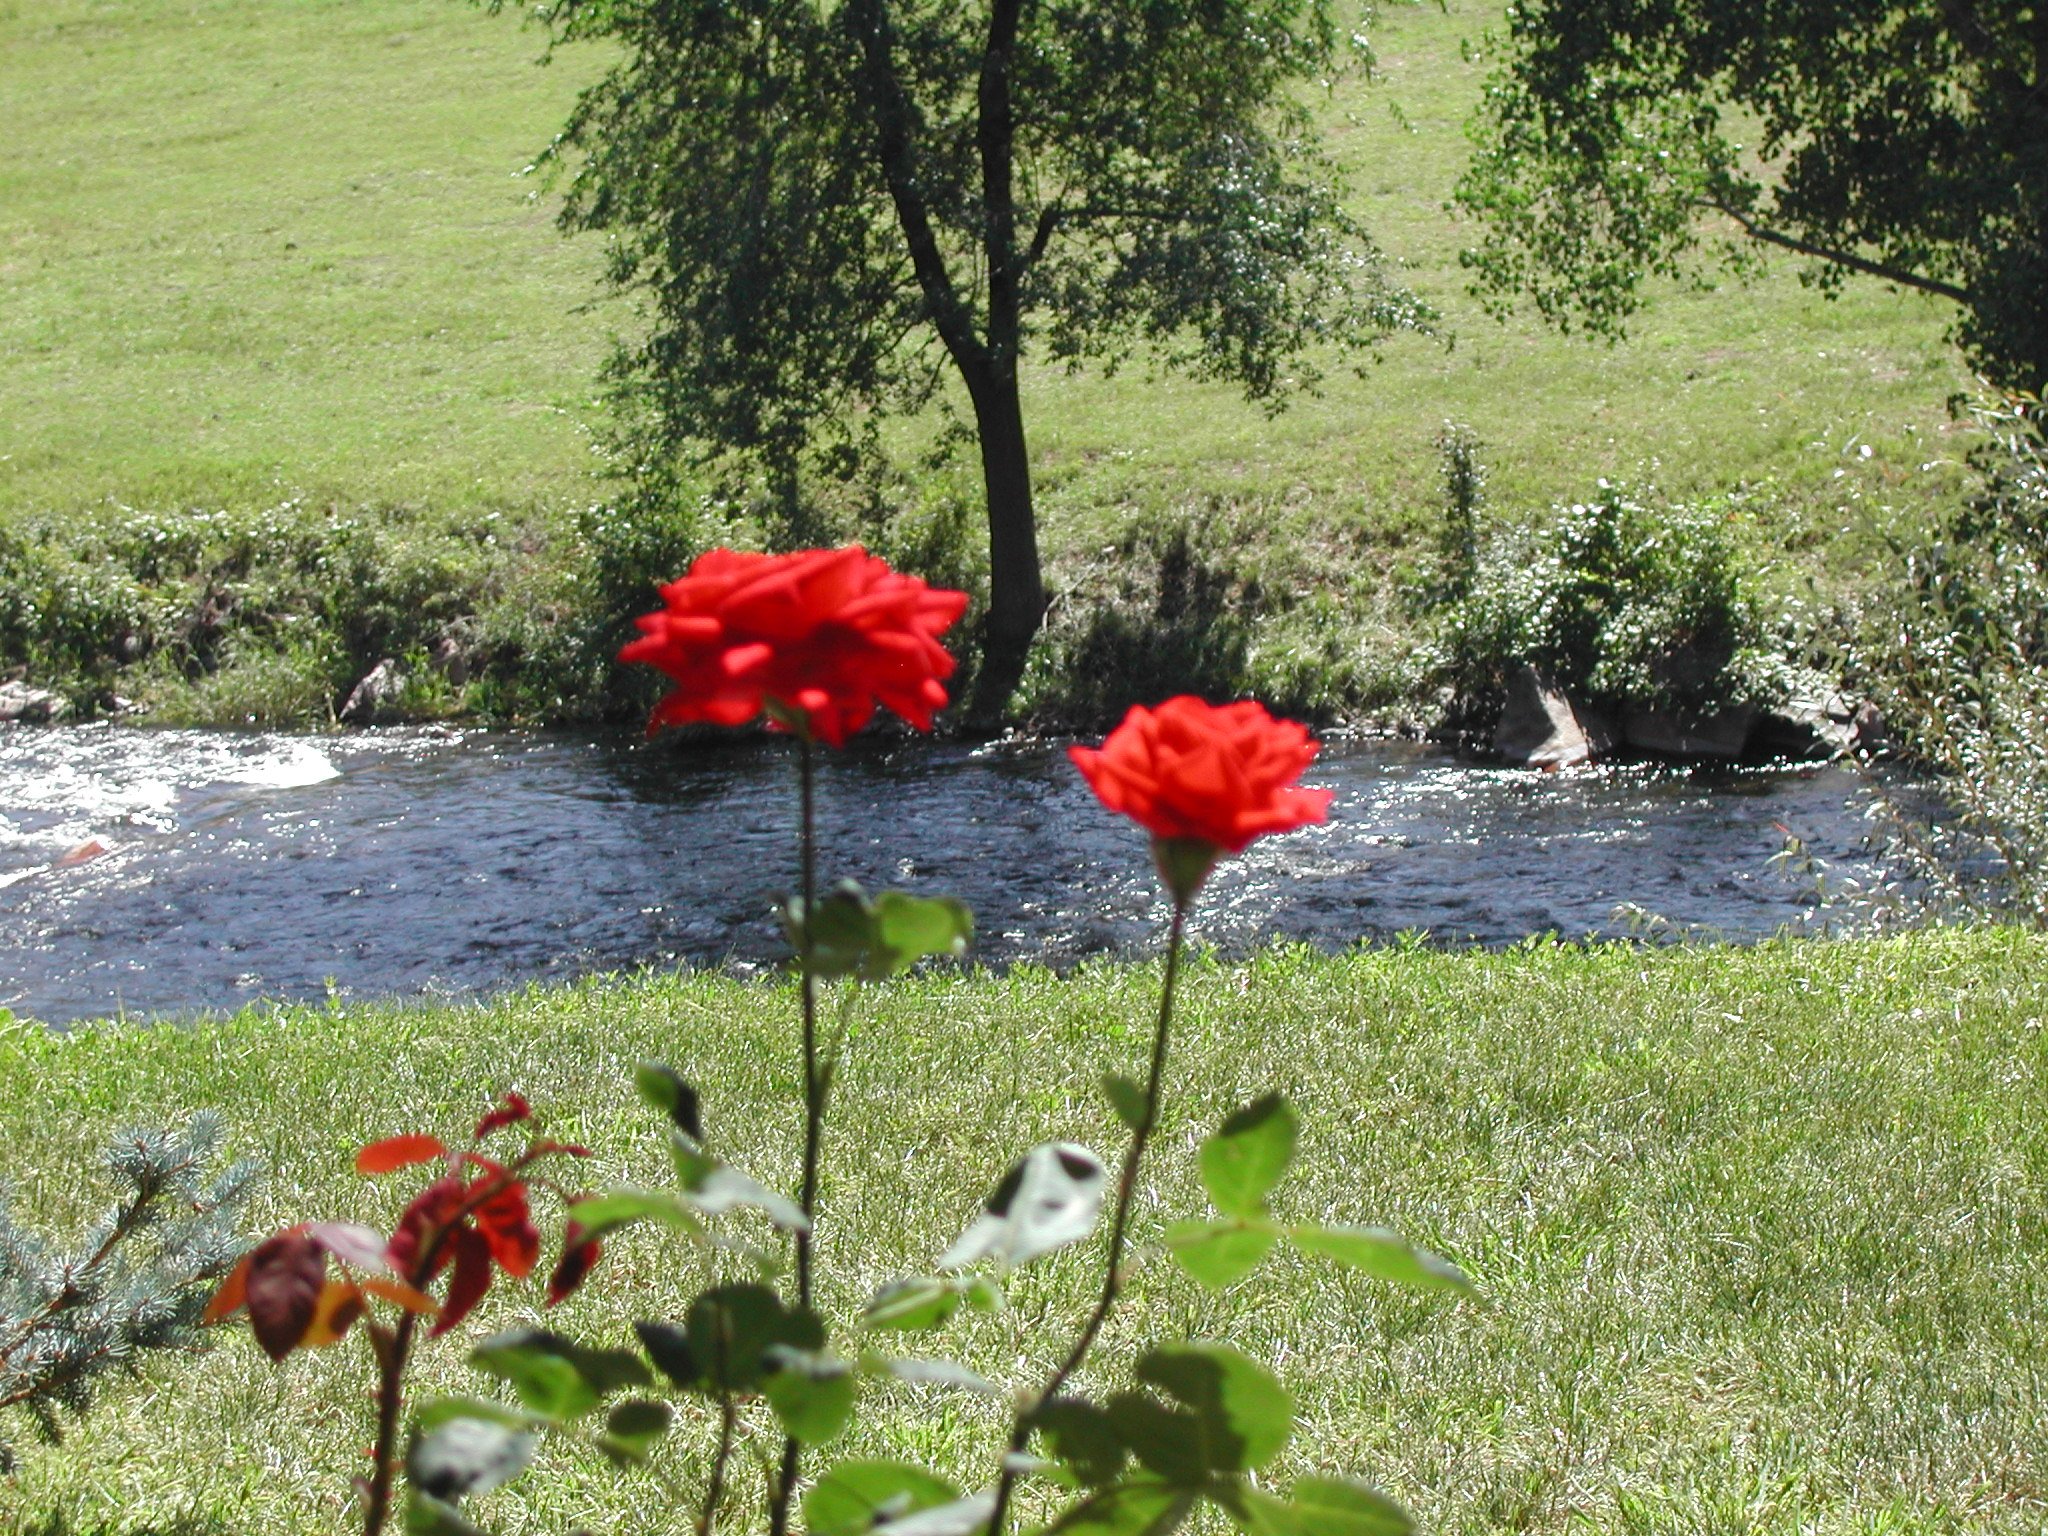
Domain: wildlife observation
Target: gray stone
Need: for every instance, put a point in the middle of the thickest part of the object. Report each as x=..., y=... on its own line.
x=1810, y=729
x=1540, y=727
x=376, y=694
x=31, y=706
x=1722, y=734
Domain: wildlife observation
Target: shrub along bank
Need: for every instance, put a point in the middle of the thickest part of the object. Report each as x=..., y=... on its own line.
x=1760, y=1231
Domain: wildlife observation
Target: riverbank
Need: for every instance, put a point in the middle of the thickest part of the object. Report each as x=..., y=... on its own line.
x=302, y=378
x=1760, y=1230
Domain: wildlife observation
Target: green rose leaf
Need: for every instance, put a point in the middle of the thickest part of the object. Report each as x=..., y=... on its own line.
x=911, y=1305
x=931, y=1373
x=1219, y=1253
x=631, y=1429
x=855, y=1496
x=811, y=1392
x=1246, y=1157
x=556, y=1378
x=622, y=1205
x=1229, y=1414
x=426, y=1515
x=440, y=1410
x=1082, y=1438
x=466, y=1455
x=962, y=1517
x=907, y=928
x=1049, y=1198
x=732, y=1328
x=1137, y=1506
x=663, y=1088
x=1385, y=1255
x=1126, y=1098
x=1328, y=1506
x=669, y=1348
x=714, y=1188
x=841, y=929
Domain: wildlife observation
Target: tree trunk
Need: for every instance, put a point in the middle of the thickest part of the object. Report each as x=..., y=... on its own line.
x=1016, y=589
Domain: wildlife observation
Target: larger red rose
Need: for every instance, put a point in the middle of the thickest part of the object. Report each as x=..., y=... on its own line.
x=1203, y=780
x=819, y=637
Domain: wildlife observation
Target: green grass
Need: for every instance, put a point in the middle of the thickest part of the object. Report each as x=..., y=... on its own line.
x=1761, y=1232
x=269, y=251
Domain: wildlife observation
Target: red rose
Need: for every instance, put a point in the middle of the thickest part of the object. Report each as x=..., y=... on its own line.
x=819, y=636
x=1204, y=780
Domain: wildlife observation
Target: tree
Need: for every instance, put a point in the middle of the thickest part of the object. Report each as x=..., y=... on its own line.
x=1905, y=140
x=826, y=204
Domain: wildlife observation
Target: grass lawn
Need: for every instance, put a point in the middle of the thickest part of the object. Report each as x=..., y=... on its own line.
x=275, y=253
x=1761, y=1232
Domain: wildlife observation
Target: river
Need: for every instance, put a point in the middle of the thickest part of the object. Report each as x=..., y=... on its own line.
x=438, y=862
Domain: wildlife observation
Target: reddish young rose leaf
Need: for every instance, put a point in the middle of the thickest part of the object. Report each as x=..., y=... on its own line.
x=563, y=1148
x=335, y=1310
x=471, y=1279
x=507, y=1224
x=232, y=1296
x=579, y=1256
x=510, y=1111
x=432, y=1209
x=395, y=1152
x=398, y=1293
x=351, y=1242
x=286, y=1276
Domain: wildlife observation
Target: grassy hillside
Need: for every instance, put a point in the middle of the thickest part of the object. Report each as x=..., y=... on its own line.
x=264, y=254
x=1760, y=1231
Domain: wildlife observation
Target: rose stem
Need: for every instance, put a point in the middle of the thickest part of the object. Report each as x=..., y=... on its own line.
x=1119, y=1227
x=814, y=1105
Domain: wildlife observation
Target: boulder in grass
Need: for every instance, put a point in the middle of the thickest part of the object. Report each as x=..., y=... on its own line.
x=1540, y=727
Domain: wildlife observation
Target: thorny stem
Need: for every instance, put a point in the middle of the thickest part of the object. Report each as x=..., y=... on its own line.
x=392, y=1357
x=814, y=1096
x=714, y=1494
x=1119, y=1230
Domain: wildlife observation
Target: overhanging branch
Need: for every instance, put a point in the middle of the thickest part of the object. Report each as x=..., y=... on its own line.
x=1849, y=259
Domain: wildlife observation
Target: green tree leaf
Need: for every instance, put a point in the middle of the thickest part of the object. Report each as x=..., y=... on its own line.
x=426, y=1515
x=1328, y=1506
x=1248, y=1154
x=841, y=930
x=1383, y=1254
x=855, y=1496
x=714, y=1188
x=931, y=1373
x=1219, y=1253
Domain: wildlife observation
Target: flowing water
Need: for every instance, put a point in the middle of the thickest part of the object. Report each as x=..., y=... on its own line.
x=230, y=868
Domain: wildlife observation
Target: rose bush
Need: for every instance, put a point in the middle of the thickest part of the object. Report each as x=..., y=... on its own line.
x=815, y=640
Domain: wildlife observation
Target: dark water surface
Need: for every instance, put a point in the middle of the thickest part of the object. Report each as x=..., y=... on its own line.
x=434, y=861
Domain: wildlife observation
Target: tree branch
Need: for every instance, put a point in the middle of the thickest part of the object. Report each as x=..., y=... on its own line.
x=896, y=153
x=1849, y=259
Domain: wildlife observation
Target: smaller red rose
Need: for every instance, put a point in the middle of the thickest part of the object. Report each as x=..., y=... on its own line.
x=1204, y=780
